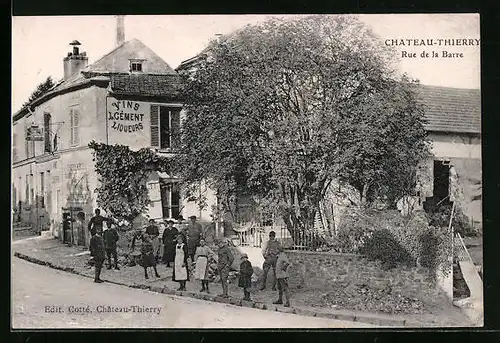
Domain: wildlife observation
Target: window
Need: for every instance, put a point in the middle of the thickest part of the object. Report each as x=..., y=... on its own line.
x=170, y=199
x=14, y=148
x=136, y=65
x=32, y=191
x=42, y=189
x=29, y=145
x=165, y=125
x=27, y=190
x=46, y=131
x=74, y=122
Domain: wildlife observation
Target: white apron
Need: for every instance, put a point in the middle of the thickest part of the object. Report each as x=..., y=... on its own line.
x=180, y=271
x=201, y=268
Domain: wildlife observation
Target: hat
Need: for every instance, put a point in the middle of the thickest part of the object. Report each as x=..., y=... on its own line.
x=192, y=217
x=244, y=255
x=170, y=221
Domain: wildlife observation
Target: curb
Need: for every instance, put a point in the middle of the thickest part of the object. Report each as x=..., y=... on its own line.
x=374, y=320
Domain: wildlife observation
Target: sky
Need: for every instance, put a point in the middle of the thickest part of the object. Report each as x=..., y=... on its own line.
x=39, y=44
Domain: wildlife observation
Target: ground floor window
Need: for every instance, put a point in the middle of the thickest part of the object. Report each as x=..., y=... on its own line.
x=170, y=198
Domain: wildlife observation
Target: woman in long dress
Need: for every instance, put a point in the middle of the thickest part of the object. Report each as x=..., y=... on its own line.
x=202, y=258
x=169, y=238
x=180, y=273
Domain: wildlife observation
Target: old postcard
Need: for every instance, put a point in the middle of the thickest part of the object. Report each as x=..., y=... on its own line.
x=246, y=171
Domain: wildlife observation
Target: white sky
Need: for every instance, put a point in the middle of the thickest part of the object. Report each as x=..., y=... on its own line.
x=40, y=43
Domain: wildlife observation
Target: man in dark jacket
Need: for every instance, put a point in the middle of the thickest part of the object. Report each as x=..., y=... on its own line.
x=98, y=253
x=110, y=239
x=225, y=260
x=194, y=234
x=154, y=233
x=96, y=222
x=270, y=251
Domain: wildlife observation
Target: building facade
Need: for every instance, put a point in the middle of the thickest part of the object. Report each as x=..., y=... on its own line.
x=130, y=97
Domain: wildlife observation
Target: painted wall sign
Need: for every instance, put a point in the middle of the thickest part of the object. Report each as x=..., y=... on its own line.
x=128, y=122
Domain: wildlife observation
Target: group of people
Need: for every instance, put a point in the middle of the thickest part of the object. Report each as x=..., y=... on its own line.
x=186, y=246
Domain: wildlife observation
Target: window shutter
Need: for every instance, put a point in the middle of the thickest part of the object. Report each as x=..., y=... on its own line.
x=155, y=121
x=76, y=123
x=71, y=138
x=175, y=128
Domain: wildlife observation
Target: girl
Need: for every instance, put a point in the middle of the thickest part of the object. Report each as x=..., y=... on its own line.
x=202, y=258
x=245, y=280
x=180, y=273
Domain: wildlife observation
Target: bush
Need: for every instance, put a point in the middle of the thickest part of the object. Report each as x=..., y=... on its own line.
x=440, y=217
x=388, y=237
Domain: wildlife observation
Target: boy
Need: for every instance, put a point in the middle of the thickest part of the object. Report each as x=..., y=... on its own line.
x=225, y=260
x=97, y=251
x=245, y=281
x=282, y=265
x=110, y=239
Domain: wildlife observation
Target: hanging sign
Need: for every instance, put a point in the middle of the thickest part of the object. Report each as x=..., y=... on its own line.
x=34, y=133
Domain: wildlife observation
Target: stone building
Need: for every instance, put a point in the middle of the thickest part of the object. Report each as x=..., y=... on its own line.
x=129, y=96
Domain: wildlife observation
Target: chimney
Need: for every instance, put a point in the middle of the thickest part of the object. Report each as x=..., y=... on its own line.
x=75, y=61
x=120, y=30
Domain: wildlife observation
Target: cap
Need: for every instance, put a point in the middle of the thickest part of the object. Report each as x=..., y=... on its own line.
x=244, y=255
x=192, y=217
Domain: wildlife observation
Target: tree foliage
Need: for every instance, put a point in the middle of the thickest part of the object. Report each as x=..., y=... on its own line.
x=40, y=90
x=282, y=108
x=123, y=176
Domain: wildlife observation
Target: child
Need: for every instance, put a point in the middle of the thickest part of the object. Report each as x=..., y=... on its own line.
x=282, y=265
x=180, y=273
x=246, y=271
x=147, y=254
x=224, y=261
x=98, y=253
x=202, y=258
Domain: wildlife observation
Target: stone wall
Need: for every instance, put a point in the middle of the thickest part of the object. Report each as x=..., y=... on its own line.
x=322, y=270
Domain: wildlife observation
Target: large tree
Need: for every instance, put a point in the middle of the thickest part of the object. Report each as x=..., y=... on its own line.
x=282, y=108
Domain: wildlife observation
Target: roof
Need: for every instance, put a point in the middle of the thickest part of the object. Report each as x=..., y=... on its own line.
x=145, y=84
x=452, y=109
x=117, y=62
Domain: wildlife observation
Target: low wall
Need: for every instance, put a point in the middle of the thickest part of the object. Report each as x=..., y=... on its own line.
x=322, y=270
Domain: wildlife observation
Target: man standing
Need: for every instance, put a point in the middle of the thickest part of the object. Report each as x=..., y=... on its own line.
x=224, y=262
x=282, y=266
x=270, y=251
x=98, y=253
x=193, y=232
x=154, y=234
x=96, y=222
x=110, y=238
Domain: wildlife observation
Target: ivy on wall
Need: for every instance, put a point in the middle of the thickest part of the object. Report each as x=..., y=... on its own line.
x=123, y=176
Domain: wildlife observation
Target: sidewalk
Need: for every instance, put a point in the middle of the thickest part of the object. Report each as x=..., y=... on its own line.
x=51, y=252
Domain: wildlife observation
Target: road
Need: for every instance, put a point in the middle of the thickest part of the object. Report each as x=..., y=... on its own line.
x=39, y=292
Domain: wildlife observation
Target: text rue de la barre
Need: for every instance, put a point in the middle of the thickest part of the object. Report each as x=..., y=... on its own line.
x=439, y=42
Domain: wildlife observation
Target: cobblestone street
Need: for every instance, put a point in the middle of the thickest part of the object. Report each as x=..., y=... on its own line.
x=35, y=287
